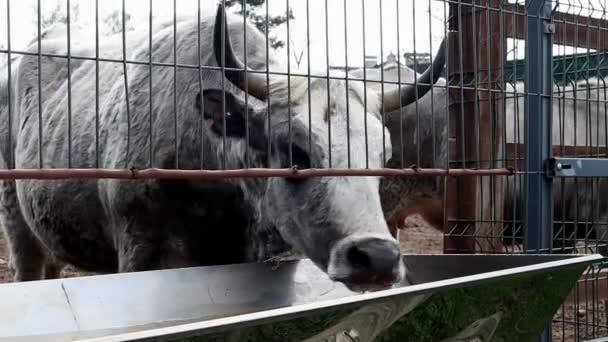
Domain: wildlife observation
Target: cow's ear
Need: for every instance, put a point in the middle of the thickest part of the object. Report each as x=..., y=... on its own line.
x=239, y=117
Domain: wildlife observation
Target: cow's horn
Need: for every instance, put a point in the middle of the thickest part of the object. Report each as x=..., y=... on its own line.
x=254, y=84
x=393, y=100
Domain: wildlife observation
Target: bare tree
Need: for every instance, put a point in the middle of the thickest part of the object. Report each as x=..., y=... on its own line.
x=297, y=54
x=259, y=20
x=57, y=15
x=113, y=22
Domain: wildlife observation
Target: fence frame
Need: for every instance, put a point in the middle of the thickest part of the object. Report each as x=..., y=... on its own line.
x=538, y=213
x=538, y=127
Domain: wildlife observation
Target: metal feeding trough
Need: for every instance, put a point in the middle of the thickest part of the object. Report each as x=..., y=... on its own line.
x=445, y=298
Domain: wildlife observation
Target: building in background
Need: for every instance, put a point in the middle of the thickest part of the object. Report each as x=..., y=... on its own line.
x=415, y=61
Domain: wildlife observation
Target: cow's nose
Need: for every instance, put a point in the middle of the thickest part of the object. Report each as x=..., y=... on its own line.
x=374, y=259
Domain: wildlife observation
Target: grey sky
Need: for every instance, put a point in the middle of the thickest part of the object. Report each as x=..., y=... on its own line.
x=421, y=27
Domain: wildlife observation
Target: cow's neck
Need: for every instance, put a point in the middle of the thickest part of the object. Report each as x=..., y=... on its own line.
x=265, y=241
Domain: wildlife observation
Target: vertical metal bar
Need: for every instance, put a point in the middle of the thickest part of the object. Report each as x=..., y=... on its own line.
x=602, y=81
x=418, y=136
x=562, y=142
x=493, y=27
x=561, y=100
x=308, y=79
x=150, y=88
x=473, y=122
x=364, y=85
x=382, y=86
x=69, y=61
x=346, y=83
x=11, y=156
x=175, y=128
x=572, y=235
x=328, y=81
x=501, y=140
x=268, y=104
x=577, y=301
x=448, y=67
x=126, y=81
x=594, y=299
x=538, y=127
x=40, y=161
x=200, y=84
x=588, y=151
x=289, y=86
x=447, y=27
x=97, y=154
x=589, y=219
x=486, y=183
x=401, y=142
x=538, y=212
x=518, y=181
x=461, y=42
x=503, y=106
x=432, y=94
x=247, y=156
x=223, y=67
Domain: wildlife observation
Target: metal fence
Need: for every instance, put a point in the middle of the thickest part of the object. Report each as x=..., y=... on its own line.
x=505, y=152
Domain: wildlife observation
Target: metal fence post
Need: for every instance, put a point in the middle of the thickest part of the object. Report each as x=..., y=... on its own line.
x=538, y=214
x=538, y=131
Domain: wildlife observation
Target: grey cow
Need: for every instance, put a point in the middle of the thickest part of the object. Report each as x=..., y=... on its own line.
x=110, y=225
x=417, y=135
x=578, y=117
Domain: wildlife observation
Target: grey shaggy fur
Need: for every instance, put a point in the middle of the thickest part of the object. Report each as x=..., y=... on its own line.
x=69, y=220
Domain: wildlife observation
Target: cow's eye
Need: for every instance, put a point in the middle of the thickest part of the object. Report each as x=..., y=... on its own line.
x=299, y=158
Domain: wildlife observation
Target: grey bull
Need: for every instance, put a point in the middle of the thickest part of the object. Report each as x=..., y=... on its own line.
x=419, y=137
x=110, y=225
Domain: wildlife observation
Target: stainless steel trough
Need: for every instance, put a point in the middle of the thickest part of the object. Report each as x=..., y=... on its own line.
x=445, y=298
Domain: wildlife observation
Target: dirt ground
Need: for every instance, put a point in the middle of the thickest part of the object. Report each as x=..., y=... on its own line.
x=591, y=322
x=6, y=277
x=417, y=237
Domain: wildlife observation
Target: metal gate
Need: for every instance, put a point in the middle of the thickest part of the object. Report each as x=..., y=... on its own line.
x=554, y=204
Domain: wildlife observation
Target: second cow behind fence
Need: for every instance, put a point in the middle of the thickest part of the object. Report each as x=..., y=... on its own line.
x=579, y=118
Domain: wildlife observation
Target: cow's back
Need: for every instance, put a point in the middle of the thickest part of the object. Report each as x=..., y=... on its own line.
x=83, y=221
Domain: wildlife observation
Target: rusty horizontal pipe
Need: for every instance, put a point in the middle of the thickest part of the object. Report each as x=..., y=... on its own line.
x=153, y=173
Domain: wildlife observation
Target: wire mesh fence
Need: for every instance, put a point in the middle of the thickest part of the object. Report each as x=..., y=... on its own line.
x=572, y=209
x=290, y=114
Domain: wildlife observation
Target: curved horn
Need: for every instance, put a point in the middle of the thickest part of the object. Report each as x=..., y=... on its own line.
x=254, y=84
x=393, y=100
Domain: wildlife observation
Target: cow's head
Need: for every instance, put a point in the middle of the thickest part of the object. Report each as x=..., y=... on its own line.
x=335, y=221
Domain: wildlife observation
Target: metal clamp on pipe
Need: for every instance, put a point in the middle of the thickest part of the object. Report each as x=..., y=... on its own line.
x=577, y=167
